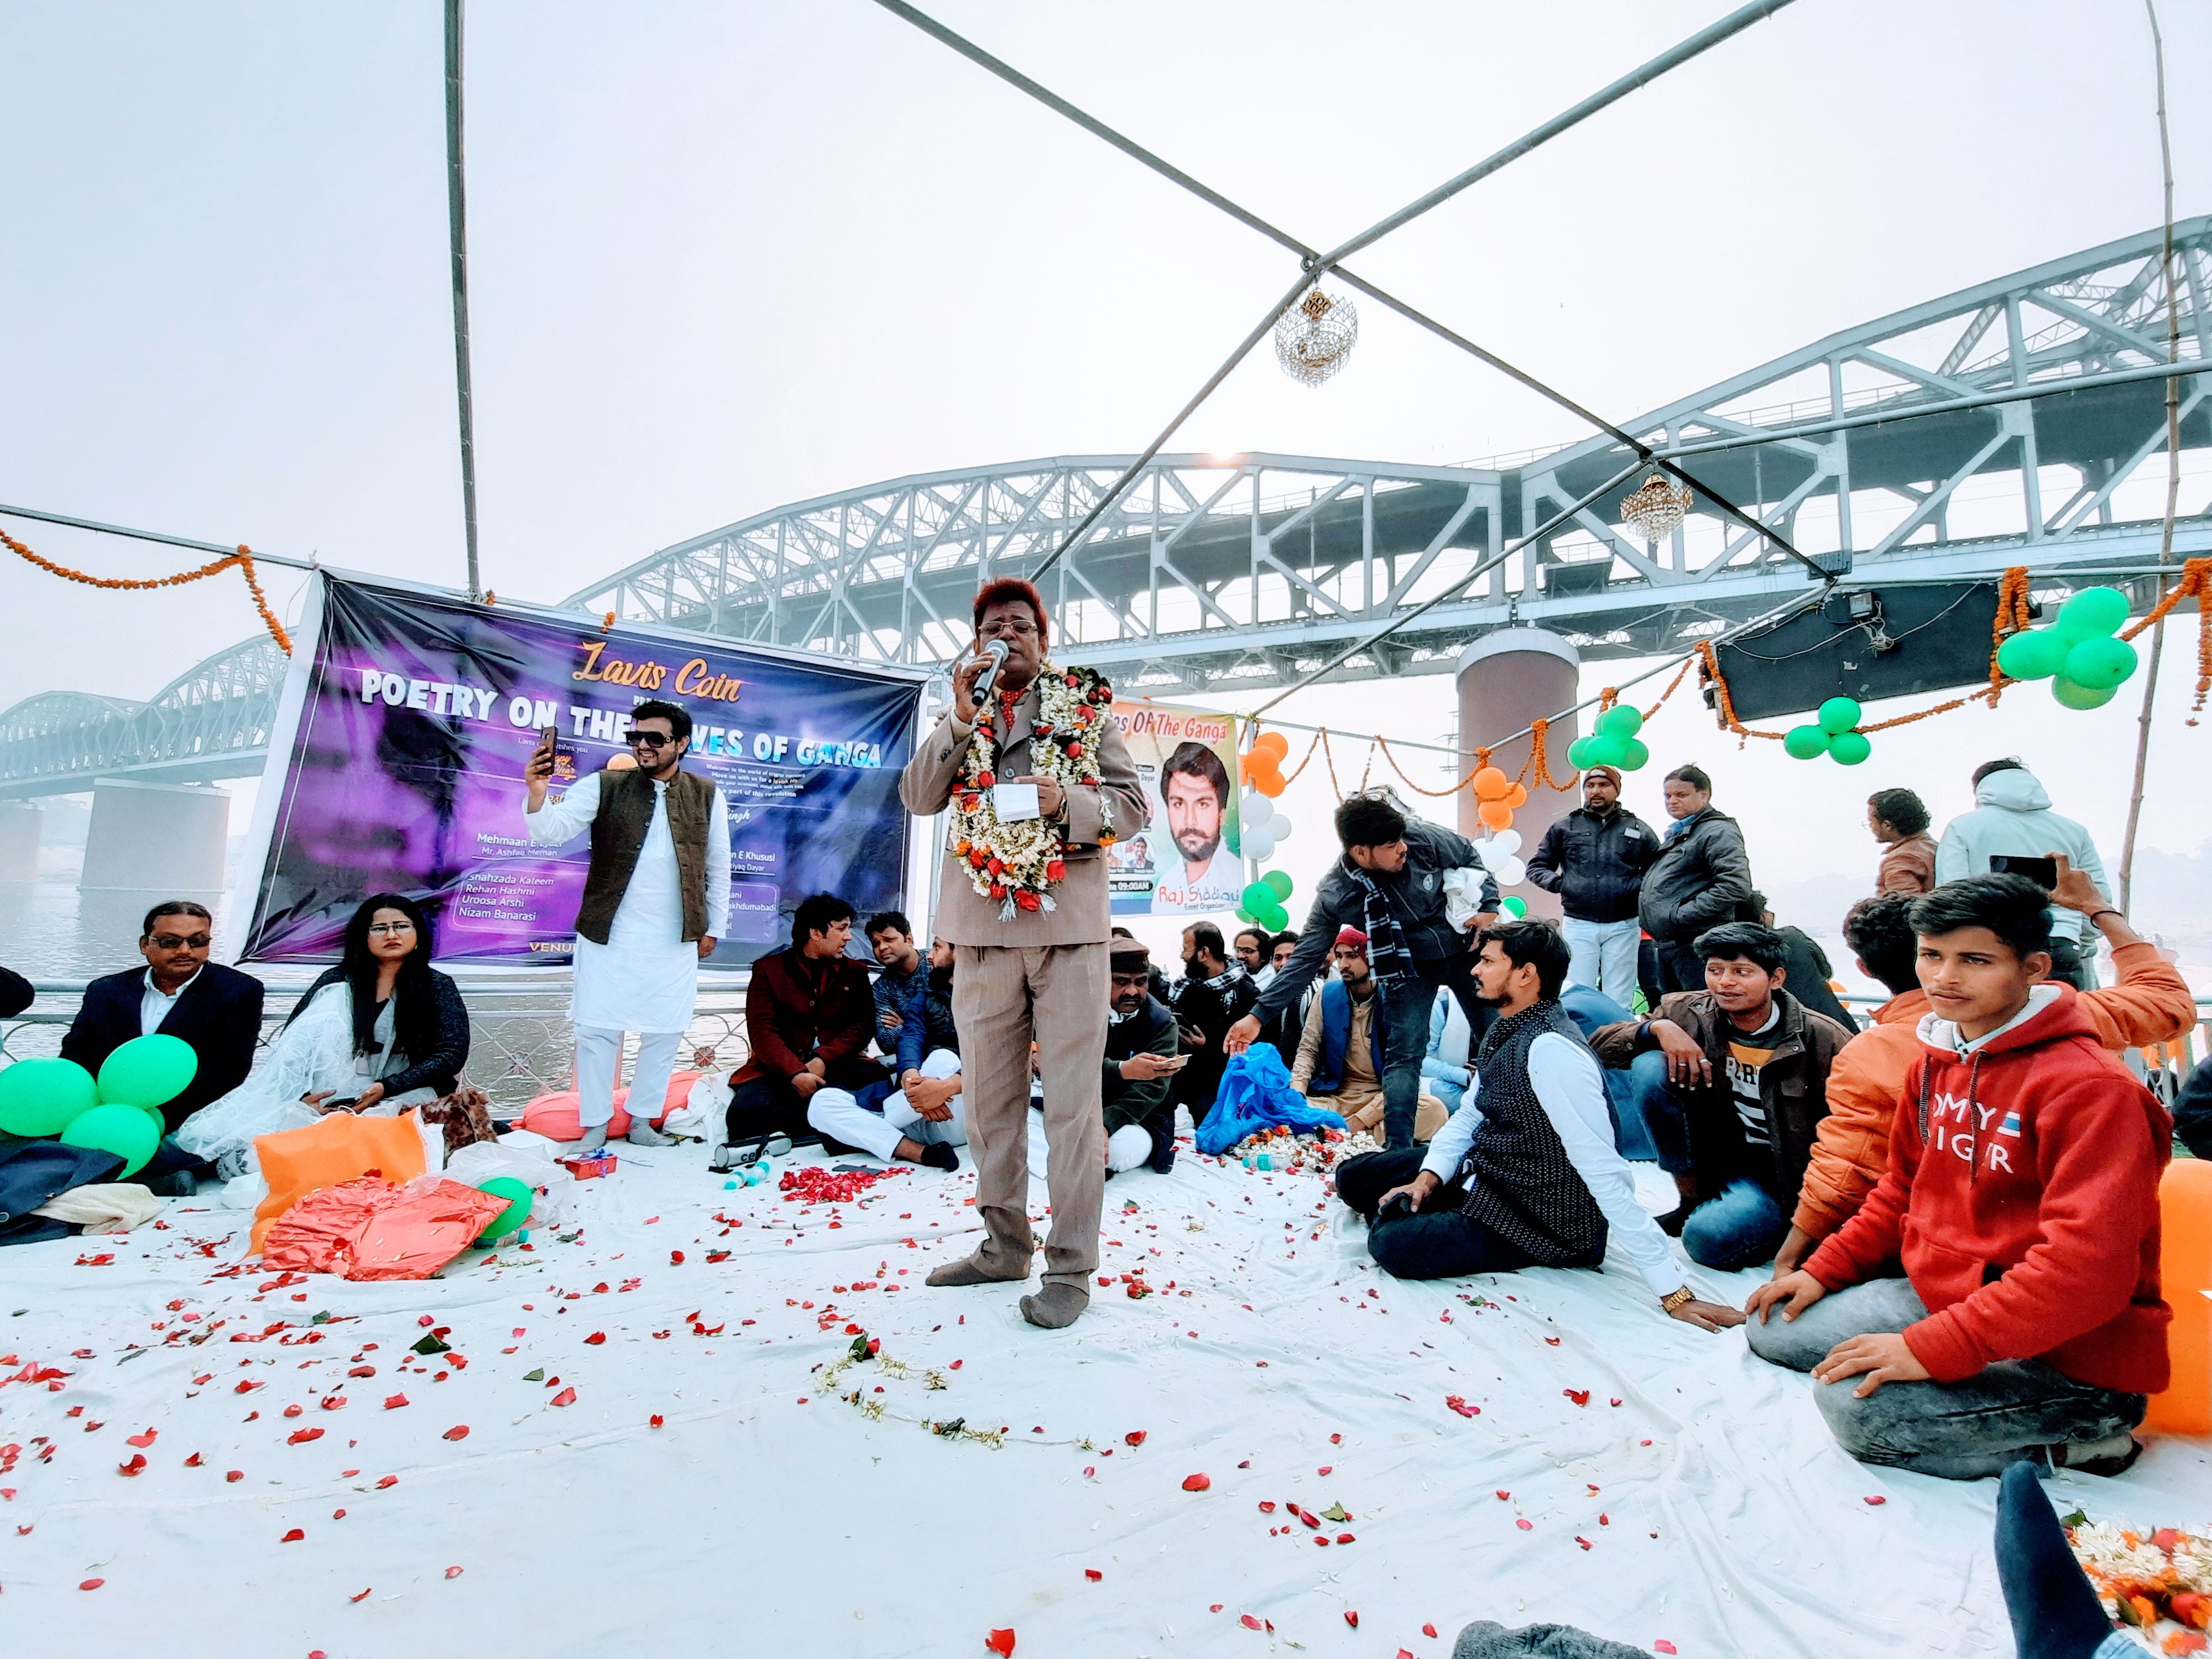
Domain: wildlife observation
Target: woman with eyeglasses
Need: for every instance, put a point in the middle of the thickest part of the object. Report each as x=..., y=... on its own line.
x=381, y=1031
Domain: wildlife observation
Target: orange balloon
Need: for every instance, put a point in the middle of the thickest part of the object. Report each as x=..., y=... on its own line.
x=1259, y=766
x=1518, y=796
x=1495, y=814
x=1271, y=786
x=1490, y=783
x=1273, y=743
x=2184, y=1271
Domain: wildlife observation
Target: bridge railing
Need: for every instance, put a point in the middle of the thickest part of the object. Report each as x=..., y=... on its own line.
x=521, y=1041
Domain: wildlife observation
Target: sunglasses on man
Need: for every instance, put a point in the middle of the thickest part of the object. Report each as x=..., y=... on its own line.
x=649, y=740
x=181, y=941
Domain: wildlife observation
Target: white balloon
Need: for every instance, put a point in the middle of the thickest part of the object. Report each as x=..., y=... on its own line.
x=1280, y=827
x=1258, y=843
x=1510, y=871
x=1254, y=809
x=1507, y=843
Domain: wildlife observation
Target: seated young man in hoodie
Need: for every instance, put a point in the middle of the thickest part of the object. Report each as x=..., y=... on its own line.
x=1747, y=1087
x=2151, y=1003
x=2021, y=1197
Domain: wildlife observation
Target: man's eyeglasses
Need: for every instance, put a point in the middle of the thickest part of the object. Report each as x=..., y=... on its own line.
x=1019, y=625
x=649, y=740
x=388, y=929
x=181, y=942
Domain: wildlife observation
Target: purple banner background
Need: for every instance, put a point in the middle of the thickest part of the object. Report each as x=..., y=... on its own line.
x=406, y=774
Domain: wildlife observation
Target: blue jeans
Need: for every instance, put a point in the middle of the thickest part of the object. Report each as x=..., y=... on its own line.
x=1406, y=1004
x=1665, y=1125
x=1742, y=1228
x=1963, y=1430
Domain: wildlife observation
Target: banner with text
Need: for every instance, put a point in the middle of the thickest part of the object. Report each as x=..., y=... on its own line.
x=405, y=774
x=1186, y=862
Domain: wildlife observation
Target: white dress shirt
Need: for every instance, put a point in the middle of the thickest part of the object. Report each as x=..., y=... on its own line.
x=154, y=1004
x=1570, y=1087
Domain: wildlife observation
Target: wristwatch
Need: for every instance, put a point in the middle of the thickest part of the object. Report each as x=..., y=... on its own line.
x=1674, y=1299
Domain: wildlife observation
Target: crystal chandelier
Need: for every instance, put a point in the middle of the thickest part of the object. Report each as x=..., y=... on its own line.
x=1313, y=336
x=1657, y=508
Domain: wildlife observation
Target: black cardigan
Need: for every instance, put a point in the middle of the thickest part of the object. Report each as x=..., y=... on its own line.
x=439, y=1069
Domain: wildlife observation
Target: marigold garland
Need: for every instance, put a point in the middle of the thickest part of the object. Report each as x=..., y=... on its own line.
x=242, y=560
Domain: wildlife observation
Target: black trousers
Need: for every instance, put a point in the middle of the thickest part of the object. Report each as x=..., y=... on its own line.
x=1680, y=968
x=1438, y=1240
x=764, y=1106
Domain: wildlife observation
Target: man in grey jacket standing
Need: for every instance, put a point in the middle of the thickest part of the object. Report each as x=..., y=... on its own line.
x=1701, y=876
x=1389, y=885
x=1034, y=971
x=1594, y=859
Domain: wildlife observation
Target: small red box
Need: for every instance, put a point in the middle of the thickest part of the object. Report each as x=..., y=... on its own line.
x=587, y=1166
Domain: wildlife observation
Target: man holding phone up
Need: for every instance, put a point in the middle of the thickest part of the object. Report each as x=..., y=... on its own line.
x=2012, y=821
x=656, y=898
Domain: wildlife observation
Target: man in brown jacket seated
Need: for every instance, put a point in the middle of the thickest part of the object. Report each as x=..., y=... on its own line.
x=810, y=1016
x=1340, y=1060
x=1747, y=1084
x=2151, y=1003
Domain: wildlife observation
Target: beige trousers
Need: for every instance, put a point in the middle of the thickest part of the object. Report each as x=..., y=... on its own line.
x=1004, y=998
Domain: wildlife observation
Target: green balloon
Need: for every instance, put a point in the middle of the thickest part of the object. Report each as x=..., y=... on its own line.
x=1806, y=742
x=1605, y=750
x=1258, y=896
x=40, y=1097
x=1839, y=714
x=2093, y=611
x=2071, y=696
x=1621, y=720
x=1849, y=748
x=2033, y=653
x=1514, y=905
x=519, y=1198
x=1636, y=755
x=1247, y=917
x=1578, y=752
x=128, y=1131
x=2099, y=663
x=1277, y=882
x=1274, y=918
x=148, y=1071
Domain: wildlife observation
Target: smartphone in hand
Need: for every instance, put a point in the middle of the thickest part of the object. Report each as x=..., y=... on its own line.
x=2043, y=872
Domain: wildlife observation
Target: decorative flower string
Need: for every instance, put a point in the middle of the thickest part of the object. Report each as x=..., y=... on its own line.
x=1018, y=864
x=243, y=559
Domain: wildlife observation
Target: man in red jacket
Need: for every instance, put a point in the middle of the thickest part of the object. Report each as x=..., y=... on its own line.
x=2022, y=1199
x=810, y=1016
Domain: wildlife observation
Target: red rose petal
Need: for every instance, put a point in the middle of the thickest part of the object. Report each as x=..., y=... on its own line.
x=292, y=1537
x=1324, y=1468
x=92, y=1583
x=362, y=1596
x=676, y=1258
x=1336, y=1440
x=1000, y=1642
x=1134, y=1437
x=595, y=1338
x=388, y=1481
x=1093, y=1574
x=655, y=1420
x=566, y=1397
x=1352, y=1618
x=1344, y=1538
x=337, y=1515
x=452, y=1573
x=1662, y=1645
x=392, y=1402
x=302, y=1436
x=193, y=1461
x=1428, y=1630
x=1524, y=1524
x=1877, y=1501
x=1197, y=1482
x=235, y=1474
x=1583, y=1541
x=1249, y=1622
x=1580, y=1397
x=143, y=1440
x=458, y=1431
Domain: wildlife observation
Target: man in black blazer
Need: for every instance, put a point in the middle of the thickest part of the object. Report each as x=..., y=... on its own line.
x=180, y=994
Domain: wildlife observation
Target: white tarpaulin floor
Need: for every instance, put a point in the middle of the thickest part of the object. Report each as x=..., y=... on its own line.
x=1694, y=1500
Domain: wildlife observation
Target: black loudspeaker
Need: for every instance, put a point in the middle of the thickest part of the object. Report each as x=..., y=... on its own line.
x=1866, y=643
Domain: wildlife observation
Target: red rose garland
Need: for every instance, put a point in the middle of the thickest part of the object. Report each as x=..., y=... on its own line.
x=1019, y=863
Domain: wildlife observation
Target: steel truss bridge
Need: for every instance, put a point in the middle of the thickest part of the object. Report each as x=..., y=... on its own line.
x=2020, y=422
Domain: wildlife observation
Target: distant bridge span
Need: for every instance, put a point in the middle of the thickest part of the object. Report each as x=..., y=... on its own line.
x=1902, y=444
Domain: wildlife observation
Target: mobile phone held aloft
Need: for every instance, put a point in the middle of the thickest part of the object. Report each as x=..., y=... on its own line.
x=549, y=742
x=2043, y=872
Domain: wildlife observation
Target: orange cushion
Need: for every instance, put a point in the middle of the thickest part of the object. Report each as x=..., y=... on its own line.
x=340, y=1147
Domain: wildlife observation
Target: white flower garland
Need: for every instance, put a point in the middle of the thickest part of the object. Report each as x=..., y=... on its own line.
x=1019, y=863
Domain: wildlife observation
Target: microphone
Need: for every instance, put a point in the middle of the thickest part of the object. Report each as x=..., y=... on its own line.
x=996, y=653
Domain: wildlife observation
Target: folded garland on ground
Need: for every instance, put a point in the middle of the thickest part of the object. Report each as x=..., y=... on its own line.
x=2145, y=1578
x=1314, y=1153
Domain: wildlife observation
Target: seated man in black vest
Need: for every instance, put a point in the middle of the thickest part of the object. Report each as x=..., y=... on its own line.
x=180, y=993
x=1525, y=1173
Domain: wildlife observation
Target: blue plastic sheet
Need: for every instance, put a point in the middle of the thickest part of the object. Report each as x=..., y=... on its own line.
x=1255, y=1094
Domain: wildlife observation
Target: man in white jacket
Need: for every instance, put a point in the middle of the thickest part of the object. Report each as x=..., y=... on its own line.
x=2012, y=815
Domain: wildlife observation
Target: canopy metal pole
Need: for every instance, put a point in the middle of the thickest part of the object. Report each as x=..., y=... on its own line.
x=259, y=557
x=458, y=238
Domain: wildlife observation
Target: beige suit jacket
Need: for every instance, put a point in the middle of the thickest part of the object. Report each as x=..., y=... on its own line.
x=1080, y=913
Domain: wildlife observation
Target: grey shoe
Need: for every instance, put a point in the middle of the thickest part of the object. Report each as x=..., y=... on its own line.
x=642, y=1133
x=967, y=1271
x=594, y=1137
x=1055, y=1306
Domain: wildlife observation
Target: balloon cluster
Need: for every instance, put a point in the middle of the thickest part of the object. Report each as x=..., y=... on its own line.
x=1263, y=763
x=1261, y=825
x=1614, y=744
x=1833, y=735
x=1263, y=902
x=120, y=1112
x=2077, y=654
x=1500, y=854
x=1497, y=796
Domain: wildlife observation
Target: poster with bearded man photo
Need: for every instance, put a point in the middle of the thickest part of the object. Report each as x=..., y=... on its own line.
x=1188, y=862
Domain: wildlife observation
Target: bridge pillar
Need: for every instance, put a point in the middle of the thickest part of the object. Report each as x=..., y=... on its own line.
x=165, y=838
x=21, y=824
x=1506, y=679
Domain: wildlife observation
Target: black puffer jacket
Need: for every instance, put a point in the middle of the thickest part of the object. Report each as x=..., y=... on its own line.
x=1595, y=865
x=1699, y=879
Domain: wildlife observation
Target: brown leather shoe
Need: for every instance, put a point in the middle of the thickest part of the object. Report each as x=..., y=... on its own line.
x=969, y=1271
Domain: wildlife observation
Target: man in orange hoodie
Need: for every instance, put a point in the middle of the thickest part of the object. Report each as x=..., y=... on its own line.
x=2022, y=1198
x=2151, y=1003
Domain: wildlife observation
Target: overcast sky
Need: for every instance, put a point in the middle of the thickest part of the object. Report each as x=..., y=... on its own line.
x=726, y=256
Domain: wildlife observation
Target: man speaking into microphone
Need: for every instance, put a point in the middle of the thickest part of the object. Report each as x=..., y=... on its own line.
x=1037, y=784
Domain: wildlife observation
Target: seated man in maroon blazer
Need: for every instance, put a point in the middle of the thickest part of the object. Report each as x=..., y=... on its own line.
x=810, y=1016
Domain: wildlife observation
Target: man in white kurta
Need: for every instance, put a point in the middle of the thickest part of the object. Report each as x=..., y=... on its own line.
x=644, y=977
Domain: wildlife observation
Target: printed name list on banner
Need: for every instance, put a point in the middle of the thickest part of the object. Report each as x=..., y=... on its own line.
x=405, y=774
x=1185, y=862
